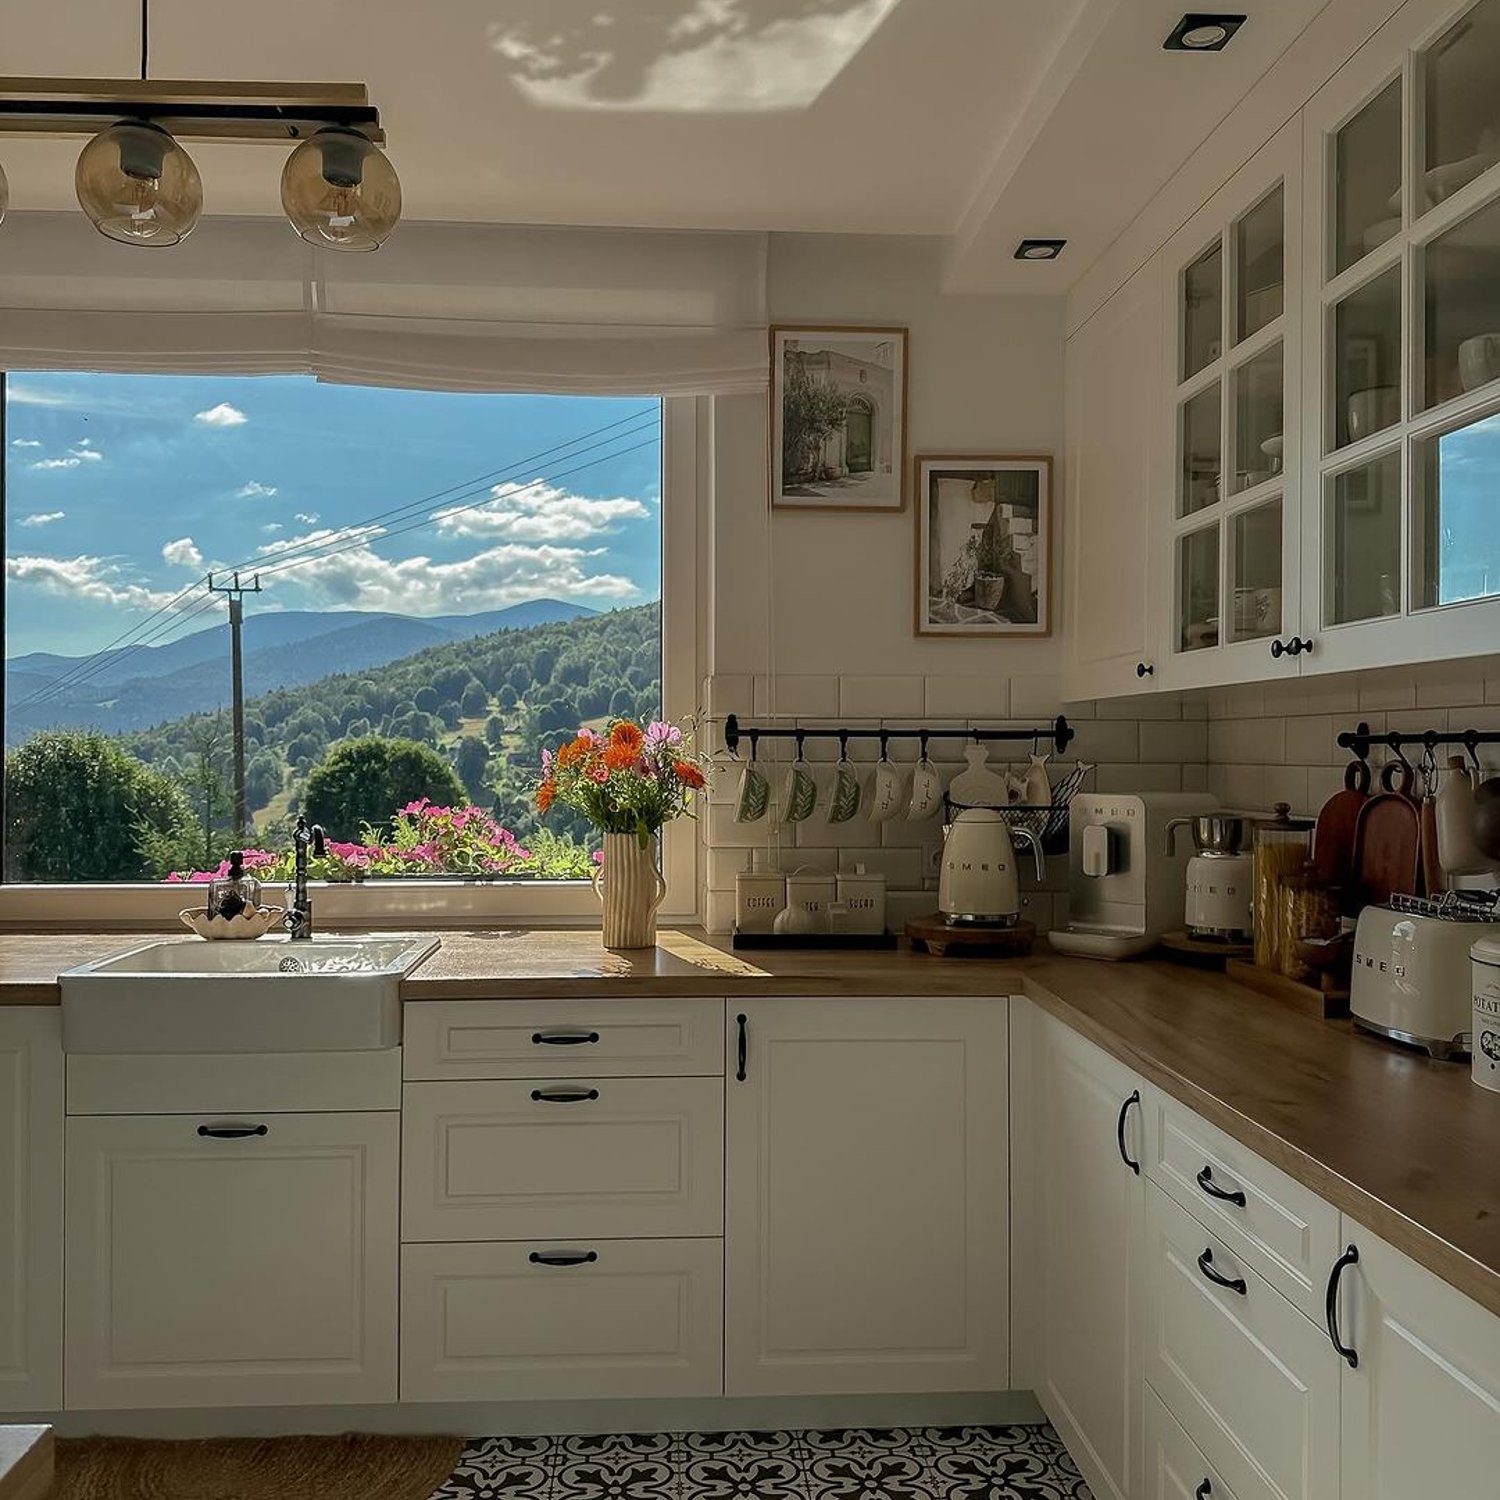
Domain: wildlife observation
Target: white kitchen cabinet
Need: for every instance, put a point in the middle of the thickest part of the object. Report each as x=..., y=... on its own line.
x=1226, y=521
x=1252, y=1380
x=866, y=1233
x=1421, y=1404
x=1113, y=395
x=618, y=1157
x=1175, y=1467
x=31, y=1208
x=226, y=1262
x=553, y=1320
x=1079, y=1149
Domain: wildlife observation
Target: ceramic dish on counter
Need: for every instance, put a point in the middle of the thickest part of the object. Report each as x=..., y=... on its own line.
x=248, y=924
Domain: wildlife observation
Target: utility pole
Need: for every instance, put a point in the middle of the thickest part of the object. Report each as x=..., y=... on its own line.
x=235, y=592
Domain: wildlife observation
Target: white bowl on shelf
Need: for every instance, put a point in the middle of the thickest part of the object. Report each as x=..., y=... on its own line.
x=249, y=924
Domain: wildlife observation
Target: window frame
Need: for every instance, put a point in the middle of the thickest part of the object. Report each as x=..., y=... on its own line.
x=454, y=902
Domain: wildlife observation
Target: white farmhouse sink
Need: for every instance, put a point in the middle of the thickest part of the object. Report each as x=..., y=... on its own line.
x=187, y=995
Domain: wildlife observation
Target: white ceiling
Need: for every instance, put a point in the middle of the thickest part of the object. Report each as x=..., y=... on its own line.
x=980, y=120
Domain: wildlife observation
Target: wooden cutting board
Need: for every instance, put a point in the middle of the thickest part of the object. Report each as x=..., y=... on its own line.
x=1388, y=841
x=1333, y=838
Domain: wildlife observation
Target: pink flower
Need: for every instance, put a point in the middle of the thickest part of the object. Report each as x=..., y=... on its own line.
x=660, y=733
x=597, y=856
x=415, y=807
x=173, y=879
x=598, y=773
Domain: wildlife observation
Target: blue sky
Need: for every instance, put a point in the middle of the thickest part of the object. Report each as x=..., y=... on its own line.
x=120, y=490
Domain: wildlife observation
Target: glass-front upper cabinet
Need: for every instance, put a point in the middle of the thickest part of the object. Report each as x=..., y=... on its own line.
x=1402, y=359
x=1227, y=531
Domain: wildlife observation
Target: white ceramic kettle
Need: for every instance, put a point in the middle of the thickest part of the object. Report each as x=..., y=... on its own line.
x=978, y=882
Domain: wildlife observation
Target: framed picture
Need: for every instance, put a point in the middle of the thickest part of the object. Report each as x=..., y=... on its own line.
x=984, y=553
x=838, y=418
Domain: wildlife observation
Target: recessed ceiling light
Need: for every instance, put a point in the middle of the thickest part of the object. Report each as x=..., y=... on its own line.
x=1203, y=31
x=1039, y=249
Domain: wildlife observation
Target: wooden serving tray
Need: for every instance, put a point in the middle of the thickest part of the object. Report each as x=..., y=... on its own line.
x=939, y=938
x=1311, y=999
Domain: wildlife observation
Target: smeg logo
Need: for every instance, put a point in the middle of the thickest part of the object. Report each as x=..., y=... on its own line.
x=1379, y=966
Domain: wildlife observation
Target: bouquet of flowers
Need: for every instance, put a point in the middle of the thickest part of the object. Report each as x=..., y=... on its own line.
x=627, y=780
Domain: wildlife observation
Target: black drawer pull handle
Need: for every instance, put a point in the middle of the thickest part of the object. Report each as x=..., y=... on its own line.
x=563, y=1038
x=1229, y=1283
x=1135, y=1098
x=562, y=1257
x=1350, y=1257
x=563, y=1096
x=739, y=1071
x=1203, y=1491
x=230, y=1132
x=1205, y=1180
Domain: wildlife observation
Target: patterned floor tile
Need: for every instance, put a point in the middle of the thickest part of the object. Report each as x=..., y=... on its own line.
x=1020, y=1462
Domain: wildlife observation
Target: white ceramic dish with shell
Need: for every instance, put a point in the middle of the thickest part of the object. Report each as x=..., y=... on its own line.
x=249, y=924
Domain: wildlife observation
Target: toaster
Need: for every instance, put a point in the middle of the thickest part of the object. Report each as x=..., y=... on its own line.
x=1411, y=970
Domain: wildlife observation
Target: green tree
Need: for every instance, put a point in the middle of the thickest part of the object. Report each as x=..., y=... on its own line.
x=475, y=701
x=366, y=780
x=207, y=781
x=471, y=759
x=77, y=807
x=494, y=731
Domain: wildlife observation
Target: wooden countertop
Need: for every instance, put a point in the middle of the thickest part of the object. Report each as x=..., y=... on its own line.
x=1406, y=1146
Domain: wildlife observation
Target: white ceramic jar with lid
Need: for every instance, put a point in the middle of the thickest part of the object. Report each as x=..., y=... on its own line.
x=1484, y=963
x=862, y=892
x=809, y=894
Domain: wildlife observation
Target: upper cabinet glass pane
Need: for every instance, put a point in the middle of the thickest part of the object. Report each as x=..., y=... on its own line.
x=1259, y=266
x=1458, y=543
x=1198, y=589
x=1255, y=567
x=1200, y=440
x=1202, y=311
x=1462, y=119
x=1258, y=410
x=1367, y=178
x=1461, y=306
x=1362, y=542
x=1367, y=359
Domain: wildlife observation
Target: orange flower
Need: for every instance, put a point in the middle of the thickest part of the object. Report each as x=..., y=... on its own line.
x=544, y=795
x=573, y=752
x=625, y=734
x=688, y=774
x=620, y=757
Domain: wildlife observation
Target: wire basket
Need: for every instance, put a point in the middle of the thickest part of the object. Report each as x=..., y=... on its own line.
x=1048, y=823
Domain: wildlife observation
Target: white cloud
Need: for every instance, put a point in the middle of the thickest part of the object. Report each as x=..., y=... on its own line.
x=93, y=578
x=255, y=490
x=43, y=517
x=25, y=443
x=540, y=513
x=84, y=452
x=222, y=415
x=271, y=527
x=307, y=517
x=506, y=574
x=183, y=553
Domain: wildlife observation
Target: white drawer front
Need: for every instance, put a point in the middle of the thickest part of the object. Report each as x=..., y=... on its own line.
x=1254, y=1383
x=490, y=1323
x=619, y=1157
x=1175, y=1466
x=564, y=1038
x=1283, y=1230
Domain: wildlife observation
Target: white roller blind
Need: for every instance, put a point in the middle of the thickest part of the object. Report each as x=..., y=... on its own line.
x=442, y=306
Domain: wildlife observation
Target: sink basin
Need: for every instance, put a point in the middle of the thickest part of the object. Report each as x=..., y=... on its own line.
x=330, y=994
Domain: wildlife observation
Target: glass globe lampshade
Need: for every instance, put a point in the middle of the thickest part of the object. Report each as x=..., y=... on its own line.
x=138, y=185
x=340, y=191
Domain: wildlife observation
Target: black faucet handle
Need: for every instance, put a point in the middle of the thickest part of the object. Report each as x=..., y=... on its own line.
x=318, y=846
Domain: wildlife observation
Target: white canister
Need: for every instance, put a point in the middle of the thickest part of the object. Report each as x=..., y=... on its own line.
x=1484, y=963
x=863, y=894
x=809, y=894
x=759, y=898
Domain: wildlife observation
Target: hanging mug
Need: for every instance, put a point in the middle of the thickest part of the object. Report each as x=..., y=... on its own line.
x=843, y=798
x=754, y=795
x=888, y=794
x=799, y=791
x=926, y=790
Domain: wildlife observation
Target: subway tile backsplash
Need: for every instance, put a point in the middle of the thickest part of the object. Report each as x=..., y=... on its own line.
x=1250, y=746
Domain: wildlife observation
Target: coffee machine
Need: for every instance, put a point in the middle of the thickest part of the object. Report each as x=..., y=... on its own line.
x=1125, y=887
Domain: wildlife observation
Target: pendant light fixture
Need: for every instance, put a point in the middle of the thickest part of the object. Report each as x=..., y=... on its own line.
x=138, y=186
x=340, y=191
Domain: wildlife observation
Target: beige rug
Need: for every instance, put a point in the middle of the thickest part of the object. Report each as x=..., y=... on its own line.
x=349, y=1467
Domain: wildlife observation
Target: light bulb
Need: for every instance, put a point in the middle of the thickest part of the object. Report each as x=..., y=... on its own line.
x=339, y=190
x=139, y=186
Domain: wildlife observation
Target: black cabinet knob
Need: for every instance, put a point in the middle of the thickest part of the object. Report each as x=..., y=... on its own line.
x=1279, y=649
x=1144, y=669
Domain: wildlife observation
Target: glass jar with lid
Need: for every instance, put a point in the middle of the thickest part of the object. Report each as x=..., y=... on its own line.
x=1281, y=846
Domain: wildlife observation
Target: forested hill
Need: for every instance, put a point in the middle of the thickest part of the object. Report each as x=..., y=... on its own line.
x=487, y=703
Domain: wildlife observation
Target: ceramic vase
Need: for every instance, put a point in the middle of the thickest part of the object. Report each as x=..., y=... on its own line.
x=631, y=888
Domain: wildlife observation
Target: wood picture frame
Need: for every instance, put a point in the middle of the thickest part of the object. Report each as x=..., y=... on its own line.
x=982, y=563
x=838, y=417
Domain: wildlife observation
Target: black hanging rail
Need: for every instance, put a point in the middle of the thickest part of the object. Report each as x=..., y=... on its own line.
x=1362, y=739
x=1059, y=731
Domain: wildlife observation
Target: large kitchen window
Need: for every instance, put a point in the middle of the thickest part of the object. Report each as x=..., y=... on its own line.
x=430, y=587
